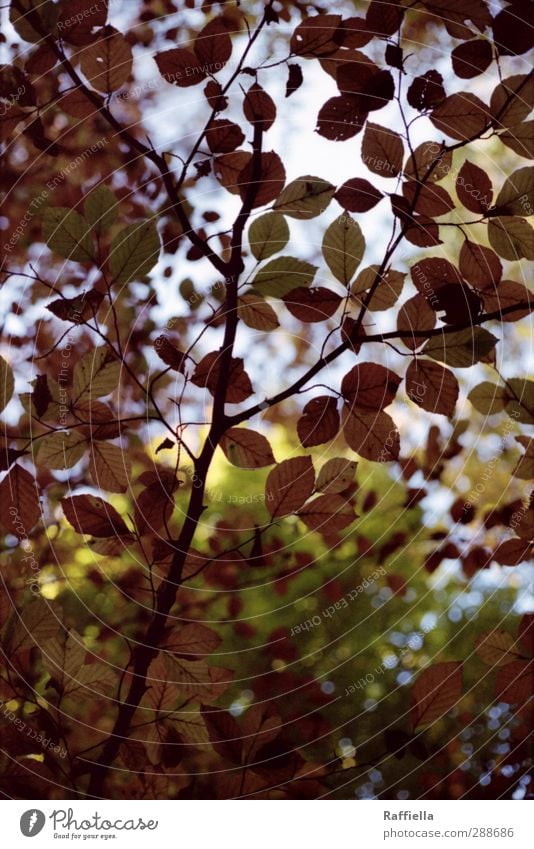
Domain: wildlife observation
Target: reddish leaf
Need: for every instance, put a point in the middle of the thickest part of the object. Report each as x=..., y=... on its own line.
x=382, y=150
x=192, y=641
x=315, y=36
x=474, y=188
x=259, y=107
x=370, y=386
x=271, y=181
x=311, y=305
x=415, y=314
x=91, y=515
x=327, y=513
x=224, y=136
x=228, y=167
x=514, y=682
x=480, y=265
x=471, y=58
x=372, y=87
x=168, y=352
x=246, y=448
x=437, y=690
x=181, y=67
x=288, y=486
x=513, y=33
x=432, y=387
x=319, y=422
x=224, y=732
x=461, y=116
x=383, y=17
x=294, y=79
x=426, y=91
x=19, y=497
x=213, y=45
x=206, y=374
x=372, y=435
x=340, y=118
x=430, y=200
x=353, y=32
x=513, y=551
x=358, y=195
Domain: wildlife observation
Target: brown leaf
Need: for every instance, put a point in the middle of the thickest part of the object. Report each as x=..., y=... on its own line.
x=294, y=79
x=312, y=304
x=358, y=195
x=461, y=116
x=436, y=691
x=213, y=45
x=271, y=181
x=426, y=91
x=337, y=475
x=430, y=200
x=107, y=61
x=224, y=136
x=228, y=167
x=89, y=514
x=110, y=467
x=372, y=435
x=288, y=486
x=513, y=551
x=327, y=513
x=206, y=374
x=480, y=265
x=224, y=732
x=370, y=386
x=169, y=353
x=154, y=506
x=319, y=422
x=382, y=150
x=246, y=448
x=181, y=67
x=474, y=188
x=415, y=314
x=192, y=641
x=315, y=36
x=341, y=118
x=19, y=497
x=432, y=387
x=514, y=682
x=506, y=294
x=471, y=58
x=259, y=107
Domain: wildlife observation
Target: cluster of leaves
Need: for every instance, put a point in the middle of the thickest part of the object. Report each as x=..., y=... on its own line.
x=81, y=451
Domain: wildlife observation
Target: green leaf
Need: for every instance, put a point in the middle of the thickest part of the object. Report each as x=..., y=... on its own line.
x=281, y=275
x=511, y=237
x=306, y=197
x=517, y=193
x=521, y=407
x=94, y=376
x=461, y=349
x=134, y=252
x=7, y=383
x=268, y=234
x=343, y=248
x=101, y=208
x=488, y=398
x=66, y=232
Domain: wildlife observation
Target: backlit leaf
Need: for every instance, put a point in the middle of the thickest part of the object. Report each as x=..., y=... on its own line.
x=343, y=248
x=288, y=486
